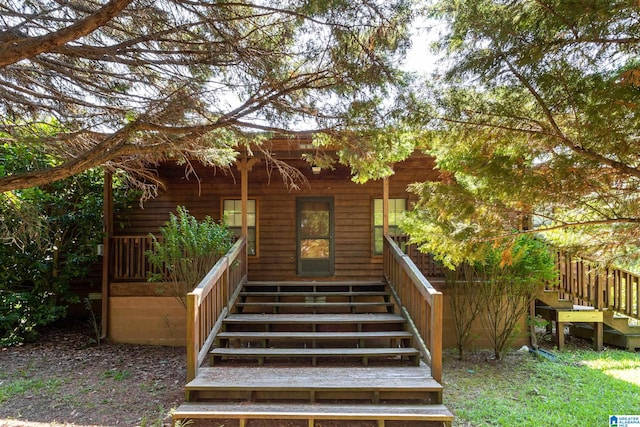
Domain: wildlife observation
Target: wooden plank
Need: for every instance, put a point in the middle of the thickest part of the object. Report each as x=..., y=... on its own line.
x=315, y=335
x=313, y=352
x=577, y=316
x=316, y=378
x=286, y=293
x=314, y=318
x=204, y=410
x=152, y=289
x=302, y=304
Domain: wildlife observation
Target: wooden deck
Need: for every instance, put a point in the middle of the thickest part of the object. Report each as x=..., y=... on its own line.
x=315, y=351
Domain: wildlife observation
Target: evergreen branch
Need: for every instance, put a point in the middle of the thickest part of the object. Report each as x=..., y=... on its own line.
x=20, y=48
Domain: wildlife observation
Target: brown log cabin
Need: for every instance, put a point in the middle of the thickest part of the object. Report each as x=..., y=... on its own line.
x=316, y=274
x=349, y=247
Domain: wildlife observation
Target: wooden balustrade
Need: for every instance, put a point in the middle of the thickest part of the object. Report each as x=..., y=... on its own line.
x=424, y=261
x=587, y=283
x=209, y=303
x=128, y=258
x=422, y=303
x=579, y=279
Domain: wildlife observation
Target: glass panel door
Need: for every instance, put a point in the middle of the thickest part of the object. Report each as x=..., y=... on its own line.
x=315, y=236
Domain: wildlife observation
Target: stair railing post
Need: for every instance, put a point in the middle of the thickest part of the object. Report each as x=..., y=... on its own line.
x=226, y=283
x=193, y=335
x=435, y=345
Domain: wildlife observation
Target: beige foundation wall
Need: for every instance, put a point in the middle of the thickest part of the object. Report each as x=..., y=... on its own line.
x=155, y=320
x=149, y=320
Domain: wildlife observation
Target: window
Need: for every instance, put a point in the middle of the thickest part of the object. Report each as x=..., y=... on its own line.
x=232, y=217
x=396, y=212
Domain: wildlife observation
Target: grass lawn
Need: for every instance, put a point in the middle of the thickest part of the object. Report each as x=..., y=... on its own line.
x=581, y=388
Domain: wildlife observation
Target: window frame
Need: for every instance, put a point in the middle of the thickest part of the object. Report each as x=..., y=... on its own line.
x=380, y=227
x=234, y=228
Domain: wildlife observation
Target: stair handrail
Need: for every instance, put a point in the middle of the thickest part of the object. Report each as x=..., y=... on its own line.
x=421, y=303
x=209, y=302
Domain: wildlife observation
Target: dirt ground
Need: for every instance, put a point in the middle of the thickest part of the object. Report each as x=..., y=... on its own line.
x=65, y=379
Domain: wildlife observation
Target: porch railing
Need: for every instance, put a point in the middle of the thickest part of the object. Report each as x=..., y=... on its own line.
x=209, y=303
x=587, y=283
x=424, y=261
x=421, y=302
x=128, y=258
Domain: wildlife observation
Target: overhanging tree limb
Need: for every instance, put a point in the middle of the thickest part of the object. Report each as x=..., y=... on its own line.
x=100, y=153
x=21, y=48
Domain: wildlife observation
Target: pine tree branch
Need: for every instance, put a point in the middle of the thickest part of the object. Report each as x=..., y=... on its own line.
x=23, y=48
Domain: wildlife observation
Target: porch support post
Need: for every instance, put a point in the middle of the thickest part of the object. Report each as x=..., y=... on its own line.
x=385, y=206
x=245, y=167
x=107, y=207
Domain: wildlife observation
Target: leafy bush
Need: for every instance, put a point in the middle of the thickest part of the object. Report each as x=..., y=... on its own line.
x=514, y=272
x=188, y=249
x=48, y=238
x=21, y=313
x=464, y=291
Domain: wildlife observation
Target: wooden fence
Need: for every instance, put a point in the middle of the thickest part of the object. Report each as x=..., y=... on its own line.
x=207, y=304
x=421, y=302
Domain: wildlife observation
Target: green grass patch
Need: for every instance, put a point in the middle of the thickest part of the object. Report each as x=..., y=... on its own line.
x=580, y=388
x=117, y=375
x=22, y=386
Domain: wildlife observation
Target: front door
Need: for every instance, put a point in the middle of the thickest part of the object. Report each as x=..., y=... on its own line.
x=315, y=236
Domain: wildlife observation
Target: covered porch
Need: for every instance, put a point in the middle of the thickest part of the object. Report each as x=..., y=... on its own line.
x=329, y=229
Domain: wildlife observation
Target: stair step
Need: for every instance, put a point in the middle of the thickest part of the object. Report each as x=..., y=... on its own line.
x=314, y=335
x=551, y=298
x=312, y=411
x=335, y=284
x=620, y=323
x=610, y=336
x=287, y=293
x=303, y=304
x=314, y=352
x=314, y=319
x=275, y=383
x=218, y=354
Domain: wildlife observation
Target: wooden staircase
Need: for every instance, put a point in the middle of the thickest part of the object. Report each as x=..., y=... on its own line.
x=603, y=326
x=619, y=330
x=315, y=351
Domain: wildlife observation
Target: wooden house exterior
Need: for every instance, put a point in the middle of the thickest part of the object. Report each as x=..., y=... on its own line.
x=317, y=274
x=349, y=249
x=315, y=278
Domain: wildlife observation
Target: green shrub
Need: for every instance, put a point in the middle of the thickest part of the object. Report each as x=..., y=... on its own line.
x=465, y=302
x=188, y=249
x=514, y=272
x=48, y=238
x=21, y=313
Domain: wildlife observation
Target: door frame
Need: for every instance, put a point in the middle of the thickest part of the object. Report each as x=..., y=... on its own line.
x=301, y=268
